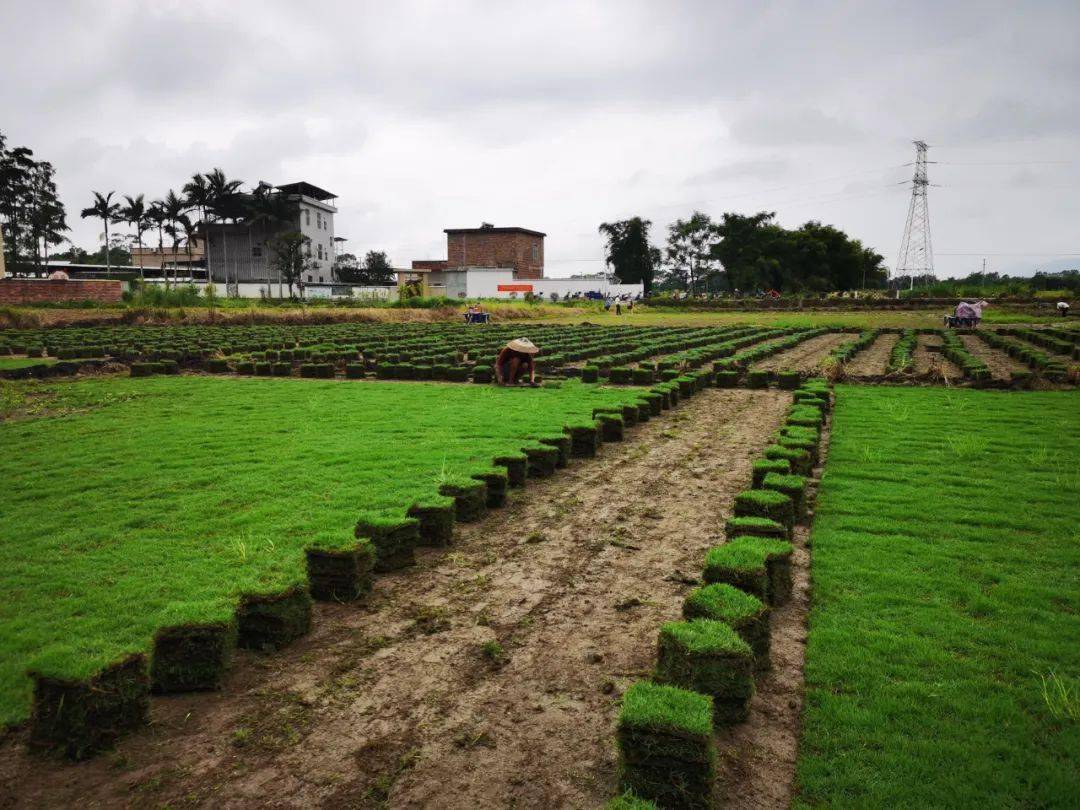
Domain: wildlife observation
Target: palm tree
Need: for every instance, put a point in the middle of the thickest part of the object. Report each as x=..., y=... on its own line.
x=173, y=209
x=135, y=214
x=197, y=193
x=108, y=211
x=155, y=213
x=269, y=210
x=189, y=230
x=221, y=200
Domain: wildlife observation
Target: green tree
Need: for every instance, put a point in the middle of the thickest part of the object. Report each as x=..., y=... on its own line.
x=174, y=210
x=16, y=174
x=107, y=211
x=46, y=217
x=375, y=270
x=690, y=245
x=629, y=255
x=290, y=259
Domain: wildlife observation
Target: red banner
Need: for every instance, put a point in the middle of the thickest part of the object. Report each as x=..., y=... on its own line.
x=515, y=288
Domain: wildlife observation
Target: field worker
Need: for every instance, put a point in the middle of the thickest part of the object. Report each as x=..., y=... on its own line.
x=1063, y=308
x=965, y=314
x=514, y=360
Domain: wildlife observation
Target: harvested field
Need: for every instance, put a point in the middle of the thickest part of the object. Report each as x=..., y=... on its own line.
x=932, y=364
x=999, y=363
x=487, y=676
x=807, y=356
x=872, y=361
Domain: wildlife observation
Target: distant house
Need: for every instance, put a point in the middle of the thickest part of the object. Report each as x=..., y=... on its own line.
x=242, y=252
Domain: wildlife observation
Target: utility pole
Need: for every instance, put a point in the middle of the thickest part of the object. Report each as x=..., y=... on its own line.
x=916, y=252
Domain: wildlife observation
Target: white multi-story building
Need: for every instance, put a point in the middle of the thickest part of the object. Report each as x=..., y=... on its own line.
x=241, y=253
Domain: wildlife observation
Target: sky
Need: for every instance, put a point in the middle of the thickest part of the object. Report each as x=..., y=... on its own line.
x=558, y=116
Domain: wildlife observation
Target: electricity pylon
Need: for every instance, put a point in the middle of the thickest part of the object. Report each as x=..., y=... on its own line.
x=916, y=253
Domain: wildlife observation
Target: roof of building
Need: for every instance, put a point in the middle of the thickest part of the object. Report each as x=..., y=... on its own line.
x=493, y=229
x=307, y=190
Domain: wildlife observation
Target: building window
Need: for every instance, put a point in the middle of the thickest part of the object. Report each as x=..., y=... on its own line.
x=536, y=253
x=307, y=249
x=318, y=220
x=256, y=251
x=320, y=280
x=309, y=277
x=307, y=216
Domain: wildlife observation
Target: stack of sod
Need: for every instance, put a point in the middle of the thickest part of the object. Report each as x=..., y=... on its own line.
x=763, y=466
x=339, y=571
x=495, y=480
x=726, y=378
x=794, y=486
x=611, y=426
x=666, y=748
x=758, y=565
x=758, y=379
x=709, y=657
x=800, y=460
x=643, y=376
x=756, y=526
x=394, y=539
x=271, y=621
x=562, y=444
x=766, y=503
x=788, y=380
x=80, y=717
x=193, y=651
x=542, y=459
x=517, y=467
x=437, y=513
x=747, y=615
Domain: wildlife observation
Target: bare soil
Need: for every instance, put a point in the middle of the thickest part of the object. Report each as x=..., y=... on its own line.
x=874, y=359
x=999, y=363
x=489, y=675
x=807, y=356
x=932, y=364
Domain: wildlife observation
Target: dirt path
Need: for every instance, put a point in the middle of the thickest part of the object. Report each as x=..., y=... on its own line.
x=488, y=675
x=932, y=364
x=874, y=359
x=999, y=363
x=807, y=356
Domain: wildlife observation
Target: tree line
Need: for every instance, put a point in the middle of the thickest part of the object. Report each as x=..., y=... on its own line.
x=740, y=254
x=31, y=213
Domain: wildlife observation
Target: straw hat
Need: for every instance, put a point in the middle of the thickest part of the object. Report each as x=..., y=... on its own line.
x=523, y=345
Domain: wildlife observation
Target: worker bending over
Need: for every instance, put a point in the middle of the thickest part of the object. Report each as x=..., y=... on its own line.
x=514, y=360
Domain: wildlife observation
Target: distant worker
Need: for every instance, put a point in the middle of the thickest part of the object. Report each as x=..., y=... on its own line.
x=1063, y=308
x=514, y=360
x=618, y=306
x=607, y=305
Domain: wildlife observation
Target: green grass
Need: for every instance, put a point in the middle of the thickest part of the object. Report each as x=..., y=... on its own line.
x=655, y=707
x=861, y=319
x=944, y=644
x=129, y=503
x=23, y=362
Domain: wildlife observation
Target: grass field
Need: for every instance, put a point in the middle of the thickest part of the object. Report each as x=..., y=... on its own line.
x=23, y=362
x=126, y=503
x=913, y=319
x=943, y=664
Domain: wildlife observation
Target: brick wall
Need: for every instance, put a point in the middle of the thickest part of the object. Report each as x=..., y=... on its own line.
x=429, y=264
x=475, y=249
x=29, y=291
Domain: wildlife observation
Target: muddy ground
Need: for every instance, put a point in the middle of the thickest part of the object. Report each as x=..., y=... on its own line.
x=874, y=359
x=489, y=675
x=932, y=364
x=999, y=363
x=807, y=356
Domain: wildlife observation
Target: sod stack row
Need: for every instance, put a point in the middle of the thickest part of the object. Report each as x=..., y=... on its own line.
x=707, y=663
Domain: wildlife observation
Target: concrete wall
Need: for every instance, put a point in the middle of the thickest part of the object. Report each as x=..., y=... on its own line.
x=26, y=291
x=479, y=282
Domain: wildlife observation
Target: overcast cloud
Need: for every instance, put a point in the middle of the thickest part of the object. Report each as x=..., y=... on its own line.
x=559, y=116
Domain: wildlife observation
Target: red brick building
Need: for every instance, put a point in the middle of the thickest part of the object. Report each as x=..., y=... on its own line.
x=487, y=246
